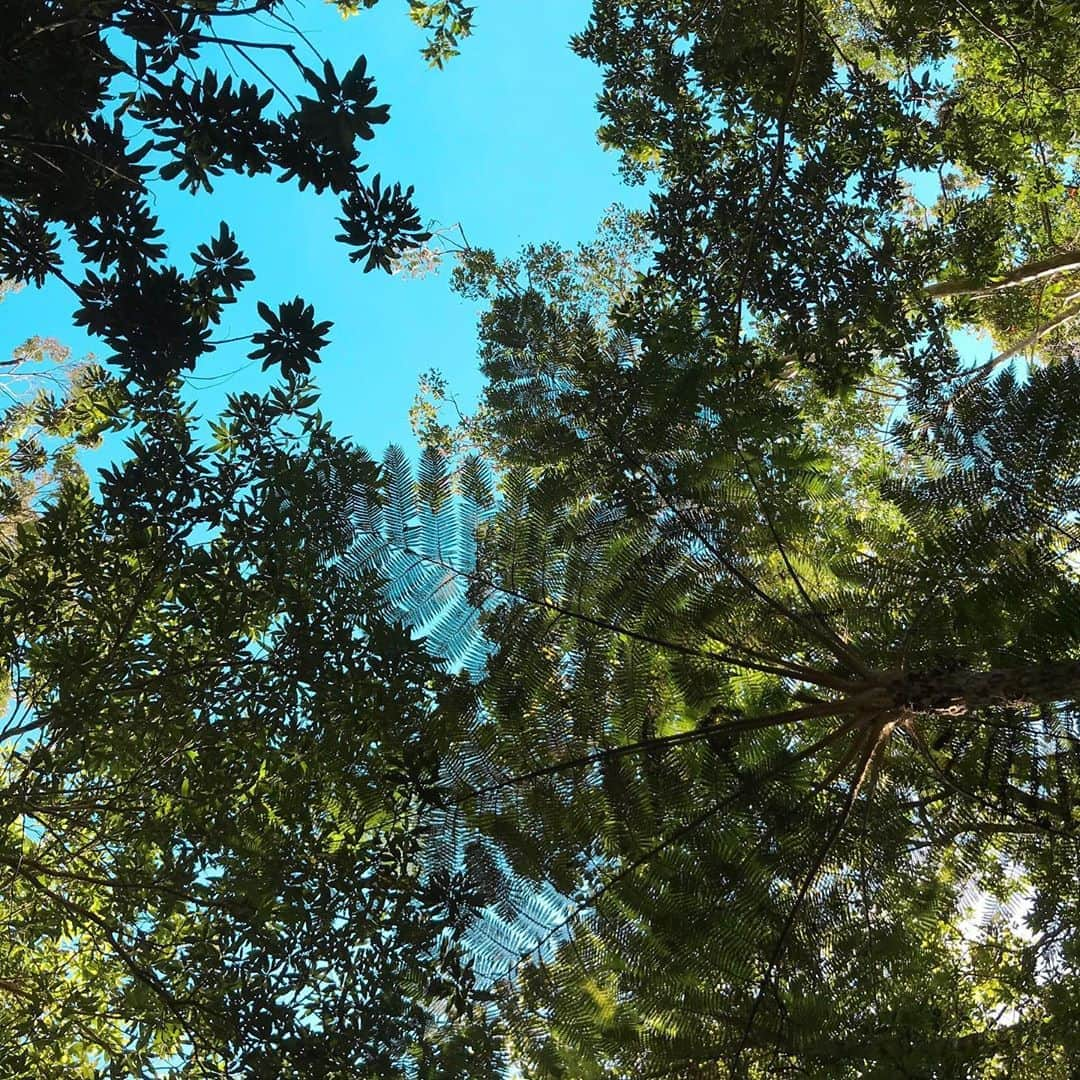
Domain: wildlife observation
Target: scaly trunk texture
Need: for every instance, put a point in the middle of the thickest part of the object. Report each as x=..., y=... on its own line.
x=956, y=693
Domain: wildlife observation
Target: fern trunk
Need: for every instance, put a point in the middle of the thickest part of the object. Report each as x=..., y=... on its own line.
x=957, y=693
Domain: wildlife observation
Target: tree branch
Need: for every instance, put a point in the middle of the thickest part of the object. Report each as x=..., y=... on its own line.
x=1062, y=263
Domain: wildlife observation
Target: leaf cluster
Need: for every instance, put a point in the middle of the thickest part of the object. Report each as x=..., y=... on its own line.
x=104, y=99
x=217, y=763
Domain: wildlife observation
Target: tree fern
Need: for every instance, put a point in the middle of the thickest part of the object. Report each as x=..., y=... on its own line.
x=768, y=697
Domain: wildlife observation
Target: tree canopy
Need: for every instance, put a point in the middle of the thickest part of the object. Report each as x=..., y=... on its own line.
x=104, y=97
x=774, y=771
x=217, y=760
x=703, y=705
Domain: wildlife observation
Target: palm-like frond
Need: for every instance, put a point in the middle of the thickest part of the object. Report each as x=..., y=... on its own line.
x=760, y=712
x=418, y=533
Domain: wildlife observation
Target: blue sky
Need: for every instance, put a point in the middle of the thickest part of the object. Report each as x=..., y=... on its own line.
x=502, y=140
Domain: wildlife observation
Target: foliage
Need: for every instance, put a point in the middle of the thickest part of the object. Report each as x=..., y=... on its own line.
x=218, y=762
x=447, y=21
x=743, y=738
x=106, y=98
x=593, y=278
x=773, y=767
x=54, y=410
x=420, y=536
x=785, y=145
x=774, y=708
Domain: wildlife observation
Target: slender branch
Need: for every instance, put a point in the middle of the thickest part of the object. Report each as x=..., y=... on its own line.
x=747, y=582
x=1023, y=66
x=1063, y=317
x=279, y=46
x=144, y=975
x=778, y=162
x=1021, y=63
x=70, y=148
x=960, y=789
x=674, y=837
x=782, y=668
x=663, y=742
x=293, y=28
x=32, y=866
x=1062, y=263
x=847, y=653
x=872, y=744
x=266, y=75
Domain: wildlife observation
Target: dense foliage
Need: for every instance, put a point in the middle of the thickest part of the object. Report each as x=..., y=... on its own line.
x=704, y=705
x=788, y=145
x=101, y=98
x=774, y=771
x=217, y=760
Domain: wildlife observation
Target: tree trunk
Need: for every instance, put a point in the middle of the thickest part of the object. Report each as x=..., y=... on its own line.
x=1062, y=263
x=956, y=693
